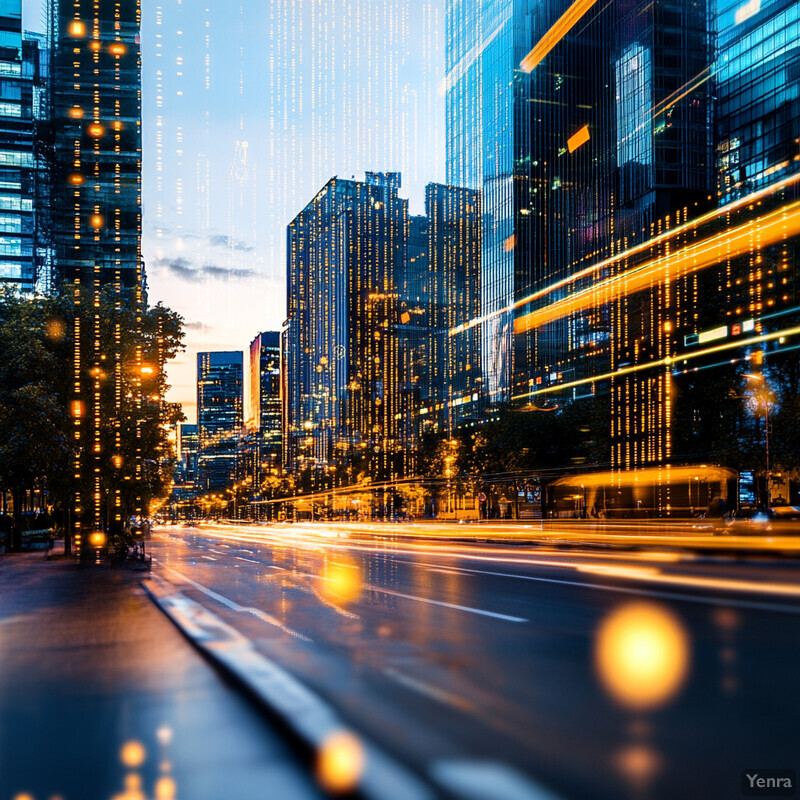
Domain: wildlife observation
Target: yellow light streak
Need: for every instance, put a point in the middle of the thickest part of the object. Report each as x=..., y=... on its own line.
x=770, y=228
x=632, y=251
x=666, y=361
x=563, y=25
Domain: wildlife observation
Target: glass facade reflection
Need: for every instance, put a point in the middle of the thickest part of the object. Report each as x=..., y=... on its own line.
x=19, y=75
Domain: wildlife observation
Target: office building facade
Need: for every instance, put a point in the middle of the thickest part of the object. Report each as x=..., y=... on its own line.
x=345, y=251
x=219, y=417
x=594, y=136
x=21, y=83
x=96, y=108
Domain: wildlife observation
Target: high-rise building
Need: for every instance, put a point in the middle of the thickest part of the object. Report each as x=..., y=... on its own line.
x=346, y=249
x=593, y=136
x=187, y=446
x=439, y=295
x=96, y=107
x=19, y=77
x=219, y=417
x=264, y=390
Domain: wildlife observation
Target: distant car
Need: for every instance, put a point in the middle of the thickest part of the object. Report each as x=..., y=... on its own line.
x=748, y=519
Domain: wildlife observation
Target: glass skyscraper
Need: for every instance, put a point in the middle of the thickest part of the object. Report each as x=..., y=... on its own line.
x=219, y=417
x=345, y=251
x=19, y=74
x=96, y=107
x=264, y=394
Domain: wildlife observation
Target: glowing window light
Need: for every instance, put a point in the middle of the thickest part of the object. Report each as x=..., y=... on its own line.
x=75, y=113
x=96, y=221
x=117, y=49
x=96, y=130
x=578, y=138
x=75, y=179
x=77, y=28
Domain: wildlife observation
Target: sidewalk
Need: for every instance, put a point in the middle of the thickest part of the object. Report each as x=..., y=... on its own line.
x=101, y=697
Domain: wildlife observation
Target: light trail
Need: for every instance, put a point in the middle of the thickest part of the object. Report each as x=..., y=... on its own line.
x=710, y=216
x=766, y=230
x=667, y=361
x=563, y=25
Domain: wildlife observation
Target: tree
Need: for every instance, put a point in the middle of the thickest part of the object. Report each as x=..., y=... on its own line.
x=34, y=444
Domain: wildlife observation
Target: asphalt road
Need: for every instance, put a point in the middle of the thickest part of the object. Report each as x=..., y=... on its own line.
x=643, y=674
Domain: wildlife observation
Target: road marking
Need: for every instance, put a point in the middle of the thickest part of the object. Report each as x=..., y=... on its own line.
x=477, y=780
x=218, y=552
x=689, y=598
x=469, y=609
x=251, y=560
x=209, y=558
x=428, y=690
x=234, y=606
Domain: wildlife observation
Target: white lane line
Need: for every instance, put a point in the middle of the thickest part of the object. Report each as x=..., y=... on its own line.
x=272, y=566
x=218, y=552
x=251, y=560
x=428, y=690
x=209, y=558
x=469, y=609
x=689, y=598
x=234, y=606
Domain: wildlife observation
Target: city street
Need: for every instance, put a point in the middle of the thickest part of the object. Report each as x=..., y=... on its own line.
x=648, y=672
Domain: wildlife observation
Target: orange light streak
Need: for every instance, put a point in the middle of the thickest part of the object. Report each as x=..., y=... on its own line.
x=771, y=228
x=581, y=136
x=563, y=26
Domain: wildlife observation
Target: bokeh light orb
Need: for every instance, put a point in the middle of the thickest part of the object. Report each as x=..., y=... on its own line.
x=340, y=762
x=642, y=655
x=132, y=754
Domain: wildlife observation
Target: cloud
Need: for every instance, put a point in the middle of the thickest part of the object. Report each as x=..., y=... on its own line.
x=219, y=240
x=184, y=269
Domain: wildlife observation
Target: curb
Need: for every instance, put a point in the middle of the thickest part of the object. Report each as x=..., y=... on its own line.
x=305, y=716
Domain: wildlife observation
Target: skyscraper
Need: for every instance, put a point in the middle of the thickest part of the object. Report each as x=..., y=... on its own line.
x=19, y=74
x=96, y=107
x=593, y=137
x=264, y=390
x=187, y=454
x=442, y=294
x=263, y=419
x=219, y=417
x=346, y=249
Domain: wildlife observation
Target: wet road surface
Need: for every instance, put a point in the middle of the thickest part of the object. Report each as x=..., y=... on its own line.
x=101, y=697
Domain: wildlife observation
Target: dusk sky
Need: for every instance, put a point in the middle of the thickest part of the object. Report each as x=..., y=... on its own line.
x=249, y=109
